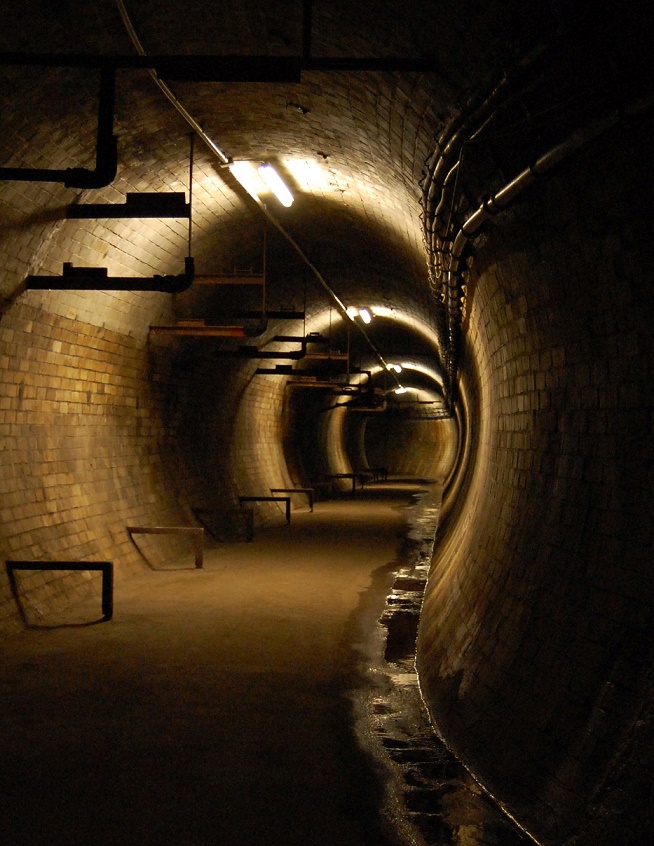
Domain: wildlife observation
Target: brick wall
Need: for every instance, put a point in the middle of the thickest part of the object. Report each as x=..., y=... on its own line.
x=535, y=640
x=414, y=448
x=79, y=452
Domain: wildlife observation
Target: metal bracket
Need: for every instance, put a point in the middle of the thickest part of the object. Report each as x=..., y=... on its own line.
x=97, y=279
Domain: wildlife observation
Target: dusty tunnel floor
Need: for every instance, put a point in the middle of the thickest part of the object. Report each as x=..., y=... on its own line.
x=228, y=705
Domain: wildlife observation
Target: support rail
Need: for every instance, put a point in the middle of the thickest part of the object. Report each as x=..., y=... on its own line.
x=196, y=534
x=105, y=567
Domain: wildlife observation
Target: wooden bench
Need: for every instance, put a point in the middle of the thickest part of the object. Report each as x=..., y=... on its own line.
x=285, y=499
x=308, y=491
x=196, y=535
x=105, y=567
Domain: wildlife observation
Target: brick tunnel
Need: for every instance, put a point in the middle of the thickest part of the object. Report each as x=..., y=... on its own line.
x=458, y=291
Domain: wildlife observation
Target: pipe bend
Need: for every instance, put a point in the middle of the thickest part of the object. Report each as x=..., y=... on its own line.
x=104, y=173
x=178, y=284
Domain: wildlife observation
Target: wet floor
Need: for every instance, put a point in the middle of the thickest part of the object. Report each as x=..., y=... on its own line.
x=212, y=709
x=246, y=703
x=433, y=799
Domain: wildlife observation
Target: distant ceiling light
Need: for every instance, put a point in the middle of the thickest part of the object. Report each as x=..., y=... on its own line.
x=396, y=367
x=352, y=312
x=274, y=181
x=401, y=390
x=246, y=174
x=365, y=315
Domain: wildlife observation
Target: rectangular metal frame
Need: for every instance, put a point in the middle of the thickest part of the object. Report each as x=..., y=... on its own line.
x=105, y=567
x=285, y=499
x=197, y=535
x=308, y=491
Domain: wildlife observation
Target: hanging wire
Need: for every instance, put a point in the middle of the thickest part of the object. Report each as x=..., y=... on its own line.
x=188, y=117
x=190, y=195
x=304, y=303
x=330, y=327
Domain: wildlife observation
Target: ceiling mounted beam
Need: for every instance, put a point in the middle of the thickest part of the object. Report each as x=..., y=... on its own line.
x=234, y=279
x=273, y=314
x=174, y=67
x=185, y=330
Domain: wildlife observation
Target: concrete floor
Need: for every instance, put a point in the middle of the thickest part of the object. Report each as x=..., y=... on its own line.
x=213, y=708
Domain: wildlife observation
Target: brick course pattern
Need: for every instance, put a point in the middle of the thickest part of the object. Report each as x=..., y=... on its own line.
x=536, y=633
x=79, y=451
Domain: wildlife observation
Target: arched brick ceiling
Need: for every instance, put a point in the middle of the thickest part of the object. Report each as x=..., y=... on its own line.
x=351, y=145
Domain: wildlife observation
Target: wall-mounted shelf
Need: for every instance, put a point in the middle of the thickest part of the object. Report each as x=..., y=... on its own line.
x=198, y=329
x=145, y=204
x=98, y=279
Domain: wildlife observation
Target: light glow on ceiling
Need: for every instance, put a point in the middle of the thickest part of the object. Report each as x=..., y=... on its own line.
x=382, y=311
x=328, y=176
x=309, y=175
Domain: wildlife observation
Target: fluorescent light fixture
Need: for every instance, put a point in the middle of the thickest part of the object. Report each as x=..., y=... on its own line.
x=401, y=390
x=274, y=181
x=396, y=367
x=246, y=174
x=365, y=315
x=352, y=312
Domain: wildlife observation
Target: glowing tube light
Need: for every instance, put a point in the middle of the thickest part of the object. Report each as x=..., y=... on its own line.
x=401, y=390
x=246, y=174
x=365, y=315
x=396, y=367
x=274, y=181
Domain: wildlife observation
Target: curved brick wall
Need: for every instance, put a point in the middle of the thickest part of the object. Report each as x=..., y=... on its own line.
x=415, y=448
x=535, y=648
x=535, y=643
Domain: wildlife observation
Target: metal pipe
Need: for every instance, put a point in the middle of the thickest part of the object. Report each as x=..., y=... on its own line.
x=106, y=149
x=505, y=196
x=226, y=160
x=166, y=90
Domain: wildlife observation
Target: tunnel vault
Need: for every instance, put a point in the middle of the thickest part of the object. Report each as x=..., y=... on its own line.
x=477, y=180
